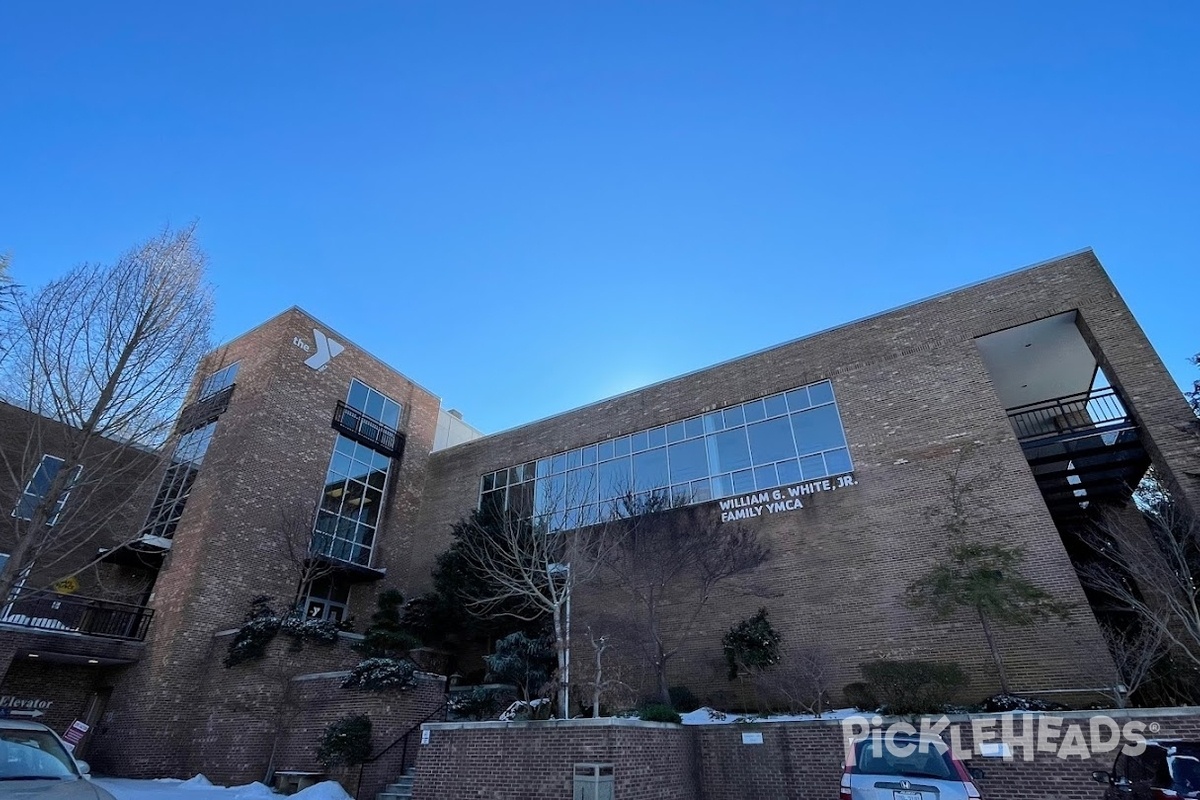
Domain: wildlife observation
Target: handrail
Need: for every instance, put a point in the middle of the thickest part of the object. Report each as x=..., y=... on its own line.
x=41, y=609
x=1071, y=416
x=443, y=708
x=367, y=430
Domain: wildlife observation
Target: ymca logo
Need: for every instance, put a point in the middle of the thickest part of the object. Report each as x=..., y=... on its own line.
x=326, y=349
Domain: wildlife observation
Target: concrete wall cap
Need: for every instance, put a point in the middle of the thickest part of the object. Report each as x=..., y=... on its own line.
x=603, y=722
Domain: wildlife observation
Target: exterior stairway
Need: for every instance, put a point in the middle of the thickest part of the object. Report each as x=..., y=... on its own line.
x=402, y=789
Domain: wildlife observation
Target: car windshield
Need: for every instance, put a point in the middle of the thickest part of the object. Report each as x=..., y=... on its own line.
x=1185, y=772
x=909, y=758
x=33, y=755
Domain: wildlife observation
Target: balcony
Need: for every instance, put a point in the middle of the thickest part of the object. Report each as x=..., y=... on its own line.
x=89, y=616
x=204, y=410
x=1084, y=449
x=367, y=430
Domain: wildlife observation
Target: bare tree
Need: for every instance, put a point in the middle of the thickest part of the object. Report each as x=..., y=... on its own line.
x=102, y=359
x=529, y=572
x=1135, y=652
x=1146, y=562
x=605, y=682
x=802, y=679
x=294, y=535
x=669, y=561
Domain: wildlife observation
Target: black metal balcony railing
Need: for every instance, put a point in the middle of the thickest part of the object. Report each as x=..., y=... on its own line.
x=368, y=430
x=50, y=611
x=1098, y=413
x=204, y=410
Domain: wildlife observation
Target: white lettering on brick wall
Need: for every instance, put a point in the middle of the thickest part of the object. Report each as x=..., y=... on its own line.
x=785, y=498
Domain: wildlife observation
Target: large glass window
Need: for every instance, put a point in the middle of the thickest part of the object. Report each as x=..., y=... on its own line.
x=220, y=380
x=176, y=484
x=351, y=507
x=39, y=483
x=785, y=438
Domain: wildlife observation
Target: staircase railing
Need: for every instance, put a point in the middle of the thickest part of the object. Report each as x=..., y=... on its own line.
x=403, y=740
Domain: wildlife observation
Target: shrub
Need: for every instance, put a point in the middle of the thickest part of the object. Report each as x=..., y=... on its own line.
x=527, y=662
x=859, y=695
x=913, y=687
x=346, y=742
x=658, y=712
x=386, y=636
x=378, y=674
x=998, y=703
x=751, y=644
x=301, y=628
x=251, y=640
x=683, y=699
x=481, y=703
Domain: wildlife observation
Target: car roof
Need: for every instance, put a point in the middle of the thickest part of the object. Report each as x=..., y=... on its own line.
x=22, y=725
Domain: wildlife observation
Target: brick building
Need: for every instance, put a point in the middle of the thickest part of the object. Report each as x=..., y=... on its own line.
x=834, y=448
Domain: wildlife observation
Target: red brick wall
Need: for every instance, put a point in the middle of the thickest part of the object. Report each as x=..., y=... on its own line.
x=269, y=452
x=796, y=761
x=535, y=761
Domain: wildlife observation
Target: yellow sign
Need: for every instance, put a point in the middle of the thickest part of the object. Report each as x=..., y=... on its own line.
x=67, y=585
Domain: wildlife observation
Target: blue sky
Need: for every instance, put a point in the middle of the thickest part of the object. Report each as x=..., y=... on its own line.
x=530, y=206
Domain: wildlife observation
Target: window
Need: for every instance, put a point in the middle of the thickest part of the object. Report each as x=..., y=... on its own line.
x=219, y=381
x=176, y=484
x=326, y=599
x=351, y=506
x=43, y=476
x=778, y=440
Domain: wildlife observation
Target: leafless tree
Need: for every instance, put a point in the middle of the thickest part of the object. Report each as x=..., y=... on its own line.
x=669, y=561
x=1147, y=562
x=102, y=359
x=294, y=535
x=801, y=679
x=531, y=569
x=605, y=683
x=1135, y=653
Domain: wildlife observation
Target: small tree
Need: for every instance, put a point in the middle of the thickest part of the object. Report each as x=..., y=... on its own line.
x=800, y=679
x=386, y=636
x=669, y=562
x=293, y=533
x=1135, y=652
x=983, y=578
x=751, y=644
x=1194, y=395
x=520, y=568
x=527, y=662
x=100, y=357
x=346, y=742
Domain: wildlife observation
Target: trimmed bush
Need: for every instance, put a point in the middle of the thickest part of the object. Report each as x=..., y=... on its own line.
x=378, y=674
x=346, y=742
x=659, y=712
x=481, y=703
x=683, y=699
x=859, y=695
x=914, y=687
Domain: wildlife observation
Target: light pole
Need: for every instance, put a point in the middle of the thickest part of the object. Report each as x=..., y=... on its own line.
x=565, y=678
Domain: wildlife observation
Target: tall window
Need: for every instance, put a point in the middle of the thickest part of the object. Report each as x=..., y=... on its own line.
x=220, y=380
x=351, y=508
x=176, y=484
x=773, y=441
x=35, y=490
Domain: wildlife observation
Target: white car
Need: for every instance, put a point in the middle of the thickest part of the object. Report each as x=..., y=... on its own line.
x=34, y=763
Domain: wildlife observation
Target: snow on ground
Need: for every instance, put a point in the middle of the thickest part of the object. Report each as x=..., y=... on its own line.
x=710, y=716
x=200, y=788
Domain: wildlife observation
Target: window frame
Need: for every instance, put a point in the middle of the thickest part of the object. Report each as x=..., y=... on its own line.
x=37, y=499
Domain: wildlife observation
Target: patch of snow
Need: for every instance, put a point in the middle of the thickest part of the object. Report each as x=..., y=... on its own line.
x=196, y=782
x=195, y=788
x=325, y=790
x=711, y=716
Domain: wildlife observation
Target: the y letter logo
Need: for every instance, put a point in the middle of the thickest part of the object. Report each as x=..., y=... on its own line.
x=326, y=349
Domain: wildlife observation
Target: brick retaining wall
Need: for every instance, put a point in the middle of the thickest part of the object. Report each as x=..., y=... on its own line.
x=796, y=761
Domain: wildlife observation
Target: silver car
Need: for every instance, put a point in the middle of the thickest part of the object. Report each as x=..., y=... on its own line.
x=35, y=764
x=906, y=768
